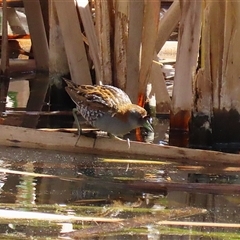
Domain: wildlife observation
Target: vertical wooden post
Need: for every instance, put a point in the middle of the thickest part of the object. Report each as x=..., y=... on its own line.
x=4, y=75
x=120, y=43
x=38, y=34
x=226, y=124
x=103, y=26
x=136, y=11
x=188, y=49
x=150, y=28
x=39, y=86
x=209, y=73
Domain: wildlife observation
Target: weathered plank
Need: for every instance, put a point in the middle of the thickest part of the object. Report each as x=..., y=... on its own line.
x=31, y=138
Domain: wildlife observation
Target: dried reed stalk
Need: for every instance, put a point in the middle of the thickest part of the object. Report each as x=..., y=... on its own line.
x=87, y=20
x=73, y=41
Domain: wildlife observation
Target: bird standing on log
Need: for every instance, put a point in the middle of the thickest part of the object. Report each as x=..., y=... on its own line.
x=107, y=108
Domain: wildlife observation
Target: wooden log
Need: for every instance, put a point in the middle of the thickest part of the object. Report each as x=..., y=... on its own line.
x=31, y=138
x=21, y=66
x=167, y=24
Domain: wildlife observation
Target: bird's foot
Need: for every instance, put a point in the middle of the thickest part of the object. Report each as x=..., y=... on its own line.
x=120, y=139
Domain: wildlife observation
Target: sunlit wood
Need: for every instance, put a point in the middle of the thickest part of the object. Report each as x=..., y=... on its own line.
x=24, y=137
x=38, y=34
x=73, y=41
x=103, y=29
x=89, y=28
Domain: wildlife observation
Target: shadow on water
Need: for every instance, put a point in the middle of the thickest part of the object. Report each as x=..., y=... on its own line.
x=40, y=188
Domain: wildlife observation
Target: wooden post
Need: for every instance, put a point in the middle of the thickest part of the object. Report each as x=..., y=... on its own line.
x=206, y=77
x=150, y=28
x=217, y=98
x=217, y=108
x=136, y=11
x=4, y=75
x=120, y=44
x=188, y=48
x=38, y=34
x=38, y=86
x=103, y=26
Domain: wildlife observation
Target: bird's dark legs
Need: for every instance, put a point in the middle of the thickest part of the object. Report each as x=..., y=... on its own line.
x=74, y=112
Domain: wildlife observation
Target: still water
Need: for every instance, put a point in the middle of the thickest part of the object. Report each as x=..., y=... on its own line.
x=44, y=194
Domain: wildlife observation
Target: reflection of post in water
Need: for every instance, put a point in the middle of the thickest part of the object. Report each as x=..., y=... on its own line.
x=19, y=188
x=9, y=189
x=26, y=188
x=57, y=189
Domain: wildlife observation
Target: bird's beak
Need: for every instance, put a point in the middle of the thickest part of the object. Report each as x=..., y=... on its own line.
x=148, y=126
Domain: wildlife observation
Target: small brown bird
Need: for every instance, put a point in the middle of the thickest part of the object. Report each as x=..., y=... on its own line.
x=107, y=108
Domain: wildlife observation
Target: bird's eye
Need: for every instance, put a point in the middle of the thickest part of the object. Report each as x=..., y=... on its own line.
x=149, y=119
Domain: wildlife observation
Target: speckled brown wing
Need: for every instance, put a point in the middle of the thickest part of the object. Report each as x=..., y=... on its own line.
x=100, y=97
